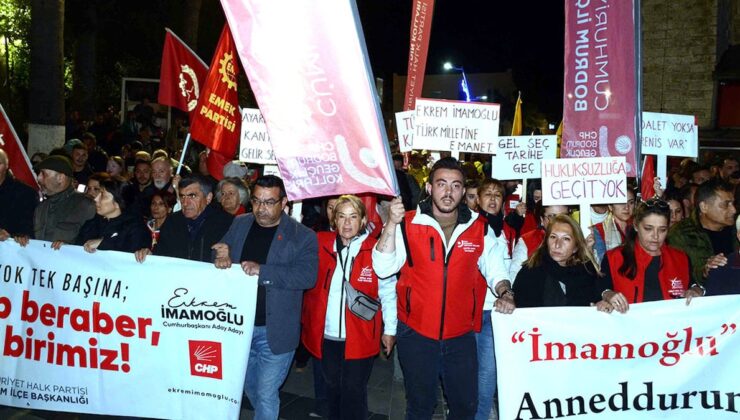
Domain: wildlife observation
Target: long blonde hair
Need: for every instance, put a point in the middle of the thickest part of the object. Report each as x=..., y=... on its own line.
x=582, y=255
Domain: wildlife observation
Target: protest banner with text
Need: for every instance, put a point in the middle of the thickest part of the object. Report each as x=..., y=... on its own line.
x=255, y=144
x=405, y=130
x=314, y=86
x=666, y=135
x=599, y=101
x=456, y=126
x=100, y=333
x=519, y=157
x=659, y=360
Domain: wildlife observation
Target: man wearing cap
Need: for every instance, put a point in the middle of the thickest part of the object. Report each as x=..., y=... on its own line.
x=15, y=219
x=59, y=217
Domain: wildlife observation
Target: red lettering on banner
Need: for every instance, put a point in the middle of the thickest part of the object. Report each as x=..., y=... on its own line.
x=26, y=346
x=667, y=352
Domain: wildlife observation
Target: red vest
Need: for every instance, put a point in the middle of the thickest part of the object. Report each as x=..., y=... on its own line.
x=673, y=275
x=532, y=240
x=440, y=296
x=530, y=224
x=362, y=337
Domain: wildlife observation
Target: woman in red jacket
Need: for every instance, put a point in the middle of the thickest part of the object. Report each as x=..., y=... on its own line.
x=345, y=343
x=645, y=269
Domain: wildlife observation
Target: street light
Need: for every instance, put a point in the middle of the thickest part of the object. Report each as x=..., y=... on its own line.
x=464, y=84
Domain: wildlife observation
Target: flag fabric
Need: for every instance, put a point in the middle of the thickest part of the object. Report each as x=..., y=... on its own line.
x=600, y=93
x=559, y=133
x=216, y=120
x=308, y=67
x=18, y=161
x=516, y=126
x=215, y=162
x=181, y=76
x=421, y=28
x=648, y=178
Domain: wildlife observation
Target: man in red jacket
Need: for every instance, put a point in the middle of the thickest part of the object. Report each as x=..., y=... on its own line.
x=446, y=256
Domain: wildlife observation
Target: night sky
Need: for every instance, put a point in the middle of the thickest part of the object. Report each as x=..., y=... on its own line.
x=482, y=36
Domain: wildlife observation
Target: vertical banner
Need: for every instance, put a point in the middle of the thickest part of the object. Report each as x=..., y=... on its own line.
x=421, y=28
x=181, y=76
x=100, y=333
x=599, y=101
x=308, y=68
x=18, y=161
x=660, y=360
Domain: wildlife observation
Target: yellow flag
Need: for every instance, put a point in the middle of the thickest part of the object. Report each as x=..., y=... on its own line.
x=559, y=133
x=516, y=126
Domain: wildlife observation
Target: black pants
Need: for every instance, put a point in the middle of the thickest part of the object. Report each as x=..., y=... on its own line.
x=346, y=382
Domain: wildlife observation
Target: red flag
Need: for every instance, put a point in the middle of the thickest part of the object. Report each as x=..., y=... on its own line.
x=216, y=121
x=181, y=76
x=215, y=163
x=421, y=27
x=648, y=178
x=18, y=161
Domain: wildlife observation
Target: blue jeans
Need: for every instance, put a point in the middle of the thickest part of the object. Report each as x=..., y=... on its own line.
x=266, y=371
x=424, y=360
x=486, y=368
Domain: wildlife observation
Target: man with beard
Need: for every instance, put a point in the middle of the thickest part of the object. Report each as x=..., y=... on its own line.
x=708, y=235
x=162, y=174
x=283, y=254
x=61, y=215
x=139, y=192
x=191, y=232
x=447, y=257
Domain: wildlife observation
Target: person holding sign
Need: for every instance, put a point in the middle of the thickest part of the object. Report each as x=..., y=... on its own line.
x=344, y=340
x=446, y=255
x=645, y=269
x=561, y=271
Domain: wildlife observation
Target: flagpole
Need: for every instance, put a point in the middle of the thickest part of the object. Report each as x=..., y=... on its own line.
x=638, y=86
x=182, y=155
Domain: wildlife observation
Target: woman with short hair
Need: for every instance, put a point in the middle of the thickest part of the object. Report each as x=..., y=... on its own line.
x=233, y=195
x=345, y=342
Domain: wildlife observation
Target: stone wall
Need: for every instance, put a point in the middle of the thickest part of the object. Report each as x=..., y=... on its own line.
x=679, y=56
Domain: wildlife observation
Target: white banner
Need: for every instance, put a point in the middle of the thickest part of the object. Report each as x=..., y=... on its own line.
x=519, y=157
x=405, y=129
x=669, y=135
x=659, y=360
x=255, y=144
x=457, y=126
x=100, y=333
x=587, y=180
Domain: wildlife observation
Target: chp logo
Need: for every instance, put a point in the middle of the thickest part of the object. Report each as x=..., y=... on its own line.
x=205, y=359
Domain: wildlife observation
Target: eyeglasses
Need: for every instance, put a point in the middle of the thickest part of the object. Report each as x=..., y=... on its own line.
x=656, y=203
x=268, y=203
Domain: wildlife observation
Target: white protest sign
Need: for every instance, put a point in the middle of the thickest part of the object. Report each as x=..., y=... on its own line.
x=405, y=128
x=255, y=144
x=660, y=360
x=669, y=135
x=271, y=170
x=584, y=181
x=519, y=157
x=456, y=126
x=100, y=333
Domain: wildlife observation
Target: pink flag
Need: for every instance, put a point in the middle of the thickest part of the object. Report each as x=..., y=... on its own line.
x=599, y=102
x=308, y=68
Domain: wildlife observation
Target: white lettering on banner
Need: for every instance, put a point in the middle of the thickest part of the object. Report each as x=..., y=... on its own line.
x=519, y=157
x=107, y=322
x=669, y=135
x=588, y=180
x=255, y=143
x=591, y=46
x=405, y=129
x=630, y=371
x=455, y=126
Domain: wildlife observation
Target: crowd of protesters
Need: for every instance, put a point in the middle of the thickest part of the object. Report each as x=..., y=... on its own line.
x=361, y=275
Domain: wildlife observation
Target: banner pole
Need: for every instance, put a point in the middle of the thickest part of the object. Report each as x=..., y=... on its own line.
x=182, y=155
x=638, y=86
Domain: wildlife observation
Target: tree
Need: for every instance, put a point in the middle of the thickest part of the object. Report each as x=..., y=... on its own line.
x=46, y=113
